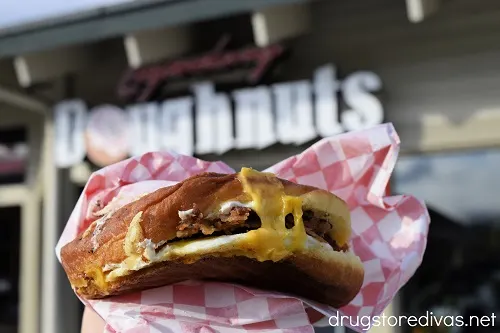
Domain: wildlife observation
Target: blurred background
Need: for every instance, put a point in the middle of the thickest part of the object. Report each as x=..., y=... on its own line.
x=250, y=83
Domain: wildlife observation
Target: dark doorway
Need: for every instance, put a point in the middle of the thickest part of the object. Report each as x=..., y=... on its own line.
x=10, y=236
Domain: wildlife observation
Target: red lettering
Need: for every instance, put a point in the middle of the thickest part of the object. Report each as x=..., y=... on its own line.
x=264, y=60
x=128, y=86
x=208, y=62
x=172, y=70
x=149, y=80
x=230, y=59
x=143, y=82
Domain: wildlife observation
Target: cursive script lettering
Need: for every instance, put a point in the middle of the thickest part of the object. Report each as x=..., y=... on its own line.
x=142, y=83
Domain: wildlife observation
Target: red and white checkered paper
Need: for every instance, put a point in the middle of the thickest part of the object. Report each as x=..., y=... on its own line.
x=389, y=235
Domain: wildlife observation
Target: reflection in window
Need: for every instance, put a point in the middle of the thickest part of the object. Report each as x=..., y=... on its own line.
x=13, y=155
x=464, y=186
x=460, y=273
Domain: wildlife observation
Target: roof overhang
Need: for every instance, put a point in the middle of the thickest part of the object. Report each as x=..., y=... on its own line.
x=419, y=10
x=120, y=20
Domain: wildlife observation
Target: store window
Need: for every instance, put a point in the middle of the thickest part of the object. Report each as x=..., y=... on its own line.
x=460, y=273
x=10, y=223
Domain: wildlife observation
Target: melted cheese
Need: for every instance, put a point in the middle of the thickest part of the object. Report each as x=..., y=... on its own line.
x=97, y=275
x=190, y=251
x=272, y=241
x=134, y=236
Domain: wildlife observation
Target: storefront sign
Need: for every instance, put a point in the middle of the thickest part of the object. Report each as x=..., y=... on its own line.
x=140, y=84
x=216, y=122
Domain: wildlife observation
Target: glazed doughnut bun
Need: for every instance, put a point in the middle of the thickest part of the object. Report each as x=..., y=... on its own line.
x=250, y=228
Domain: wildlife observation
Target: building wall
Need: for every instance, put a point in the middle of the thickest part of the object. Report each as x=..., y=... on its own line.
x=440, y=77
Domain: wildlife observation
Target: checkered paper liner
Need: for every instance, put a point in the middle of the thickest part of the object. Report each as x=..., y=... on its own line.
x=389, y=235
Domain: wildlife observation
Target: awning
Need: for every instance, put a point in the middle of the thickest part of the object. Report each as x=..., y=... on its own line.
x=115, y=21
